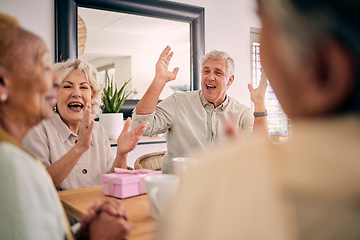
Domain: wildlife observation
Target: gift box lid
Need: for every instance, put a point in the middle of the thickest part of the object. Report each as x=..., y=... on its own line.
x=120, y=178
x=124, y=176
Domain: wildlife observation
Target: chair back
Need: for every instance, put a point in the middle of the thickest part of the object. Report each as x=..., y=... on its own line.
x=152, y=161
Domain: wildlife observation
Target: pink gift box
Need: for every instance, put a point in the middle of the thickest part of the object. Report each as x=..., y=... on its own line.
x=126, y=183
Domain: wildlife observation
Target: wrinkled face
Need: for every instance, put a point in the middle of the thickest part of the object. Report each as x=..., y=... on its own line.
x=215, y=81
x=32, y=89
x=73, y=94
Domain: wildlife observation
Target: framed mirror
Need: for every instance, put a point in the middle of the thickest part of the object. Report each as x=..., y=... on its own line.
x=66, y=26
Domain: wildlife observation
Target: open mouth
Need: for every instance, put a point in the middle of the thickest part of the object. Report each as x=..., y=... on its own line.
x=75, y=106
x=208, y=86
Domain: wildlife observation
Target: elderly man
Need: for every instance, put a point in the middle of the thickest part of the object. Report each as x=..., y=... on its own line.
x=193, y=120
x=307, y=188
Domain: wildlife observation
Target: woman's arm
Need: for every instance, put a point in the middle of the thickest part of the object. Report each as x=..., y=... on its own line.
x=60, y=169
x=126, y=142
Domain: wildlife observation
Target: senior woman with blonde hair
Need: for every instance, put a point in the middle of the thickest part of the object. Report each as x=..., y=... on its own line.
x=74, y=149
x=29, y=205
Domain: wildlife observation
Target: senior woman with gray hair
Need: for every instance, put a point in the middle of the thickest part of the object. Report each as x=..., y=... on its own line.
x=74, y=149
x=30, y=208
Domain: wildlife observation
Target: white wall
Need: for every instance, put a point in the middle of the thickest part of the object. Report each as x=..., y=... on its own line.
x=35, y=15
x=227, y=28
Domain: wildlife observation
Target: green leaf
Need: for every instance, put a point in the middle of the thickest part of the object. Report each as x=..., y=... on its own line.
x=114, y=99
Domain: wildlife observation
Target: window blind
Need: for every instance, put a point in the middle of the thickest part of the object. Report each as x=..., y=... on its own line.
x=278, y=123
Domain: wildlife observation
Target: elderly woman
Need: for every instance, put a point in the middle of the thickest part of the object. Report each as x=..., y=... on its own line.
x=29, y=205
x=74, y=149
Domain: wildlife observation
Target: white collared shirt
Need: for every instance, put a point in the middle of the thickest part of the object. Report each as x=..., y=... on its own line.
x=51, y=139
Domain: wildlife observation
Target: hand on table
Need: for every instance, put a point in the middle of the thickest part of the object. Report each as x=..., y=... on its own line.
x=127, y=140
x=162, y=73
x=105, y=220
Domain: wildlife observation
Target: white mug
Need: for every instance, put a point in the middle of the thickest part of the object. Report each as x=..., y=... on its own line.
x=181, y=165
x=161, y=190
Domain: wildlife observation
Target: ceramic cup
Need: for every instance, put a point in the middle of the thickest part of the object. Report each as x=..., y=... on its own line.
x=161, y=190
x=181, y=165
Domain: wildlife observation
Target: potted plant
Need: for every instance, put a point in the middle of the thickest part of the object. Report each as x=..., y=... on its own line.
x=113, y=99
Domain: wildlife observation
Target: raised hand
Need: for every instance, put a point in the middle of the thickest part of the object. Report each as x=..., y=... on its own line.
x=162, y=72
x=127, y=140
x=258, y=95
x=85, y=129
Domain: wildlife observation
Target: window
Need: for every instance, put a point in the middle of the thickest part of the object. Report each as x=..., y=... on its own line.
x=277, y=120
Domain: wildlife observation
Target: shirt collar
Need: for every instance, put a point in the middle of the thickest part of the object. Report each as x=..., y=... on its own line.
x=205, y=102
x=63, y=130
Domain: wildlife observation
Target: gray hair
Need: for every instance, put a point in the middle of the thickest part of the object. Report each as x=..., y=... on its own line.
x=305, y=23
x=219, y=55
x=64, y=68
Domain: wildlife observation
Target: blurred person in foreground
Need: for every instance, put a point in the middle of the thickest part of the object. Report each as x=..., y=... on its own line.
x=29, y=205
x=307, y=188
x=73, y=147
x=194, y=121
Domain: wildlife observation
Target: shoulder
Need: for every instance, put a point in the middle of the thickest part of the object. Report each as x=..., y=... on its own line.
x=99, y=131
x=186, y=96
x=14, y=160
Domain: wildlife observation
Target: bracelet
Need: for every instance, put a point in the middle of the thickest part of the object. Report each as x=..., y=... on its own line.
x=261, y=114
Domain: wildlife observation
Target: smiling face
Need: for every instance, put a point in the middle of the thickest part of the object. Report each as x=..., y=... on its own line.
x=73, y=94
x=215, y=80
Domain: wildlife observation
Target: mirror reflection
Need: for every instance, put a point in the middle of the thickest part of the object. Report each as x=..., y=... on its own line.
x=127, y=46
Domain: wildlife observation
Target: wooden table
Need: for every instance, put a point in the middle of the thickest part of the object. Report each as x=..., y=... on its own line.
x=77, y=201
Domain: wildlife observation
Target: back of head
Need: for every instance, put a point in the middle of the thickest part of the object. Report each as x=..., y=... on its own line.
x=305, y=23
x=220, y=55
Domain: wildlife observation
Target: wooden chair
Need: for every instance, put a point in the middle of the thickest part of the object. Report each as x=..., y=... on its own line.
x=152, y=161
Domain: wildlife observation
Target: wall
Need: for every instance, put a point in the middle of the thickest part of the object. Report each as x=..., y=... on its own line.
x=227, y=28
x=36, y=15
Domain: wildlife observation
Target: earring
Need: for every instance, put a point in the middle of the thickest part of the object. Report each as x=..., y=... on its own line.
x=3, y=97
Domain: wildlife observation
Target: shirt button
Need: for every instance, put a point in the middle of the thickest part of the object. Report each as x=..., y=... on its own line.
x=84, y=171
x=75, y=141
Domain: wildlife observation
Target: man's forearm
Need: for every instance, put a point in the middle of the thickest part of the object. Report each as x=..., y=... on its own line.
x=260, y=123
x=148, y=102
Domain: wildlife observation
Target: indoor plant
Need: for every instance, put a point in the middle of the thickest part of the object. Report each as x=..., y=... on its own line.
x=113, y=99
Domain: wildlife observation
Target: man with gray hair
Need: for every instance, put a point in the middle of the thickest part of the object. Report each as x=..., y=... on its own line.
x=193, y=120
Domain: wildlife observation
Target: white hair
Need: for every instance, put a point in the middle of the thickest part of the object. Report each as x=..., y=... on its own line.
x=64, y=68
x=219, y=55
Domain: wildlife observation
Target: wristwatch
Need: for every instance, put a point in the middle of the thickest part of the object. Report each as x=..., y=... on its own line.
x=261, y=114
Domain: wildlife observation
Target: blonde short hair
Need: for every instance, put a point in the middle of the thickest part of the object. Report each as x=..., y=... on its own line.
x=64, y=68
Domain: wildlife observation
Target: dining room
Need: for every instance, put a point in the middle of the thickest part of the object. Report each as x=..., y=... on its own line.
x=216, y=16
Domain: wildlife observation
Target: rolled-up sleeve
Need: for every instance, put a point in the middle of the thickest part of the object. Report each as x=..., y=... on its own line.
x=160, y=120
